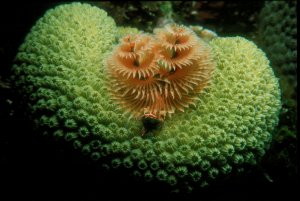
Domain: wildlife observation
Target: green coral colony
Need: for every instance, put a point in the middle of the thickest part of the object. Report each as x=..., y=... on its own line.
x=60, y=72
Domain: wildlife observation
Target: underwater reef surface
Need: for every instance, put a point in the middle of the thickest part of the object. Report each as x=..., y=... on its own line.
x=55, y=161
x=278, y=37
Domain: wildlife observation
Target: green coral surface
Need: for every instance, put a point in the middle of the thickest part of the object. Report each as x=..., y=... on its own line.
x=60, y=72
x=278, y=38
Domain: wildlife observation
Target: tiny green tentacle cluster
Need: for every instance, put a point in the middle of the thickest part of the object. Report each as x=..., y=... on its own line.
x=59, y=71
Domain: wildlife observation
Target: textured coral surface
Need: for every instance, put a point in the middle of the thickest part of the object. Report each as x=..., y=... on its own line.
x=278, y=38
x=59, y=70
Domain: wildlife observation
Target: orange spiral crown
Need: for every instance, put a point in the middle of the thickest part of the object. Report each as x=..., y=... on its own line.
x=159, y=74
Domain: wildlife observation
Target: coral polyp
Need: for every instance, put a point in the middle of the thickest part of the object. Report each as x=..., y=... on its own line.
x=159, y=74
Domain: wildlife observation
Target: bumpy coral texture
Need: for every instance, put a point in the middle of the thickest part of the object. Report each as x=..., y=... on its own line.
x=124, y=31
x=160, y=74
x=59, y=72
x=278, y=37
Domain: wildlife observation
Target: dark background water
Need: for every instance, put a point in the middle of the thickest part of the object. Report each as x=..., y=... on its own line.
x=36, y=167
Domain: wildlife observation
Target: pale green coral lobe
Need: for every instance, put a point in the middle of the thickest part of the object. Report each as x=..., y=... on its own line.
x=124, y=31
x=60, y=71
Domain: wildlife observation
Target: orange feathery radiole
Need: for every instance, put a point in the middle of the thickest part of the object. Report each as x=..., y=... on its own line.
x=135, y=56
x=176, y=37
x=132, y=68
x=179, y=46
x=161, y=74
x=187, y=70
